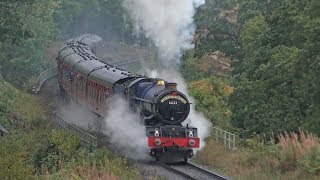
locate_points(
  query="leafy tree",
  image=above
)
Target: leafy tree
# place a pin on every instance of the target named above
(22, 50)
(276, 88)
(211, 96)
(214, 31)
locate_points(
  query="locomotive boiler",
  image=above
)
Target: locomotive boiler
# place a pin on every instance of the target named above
(163, 108)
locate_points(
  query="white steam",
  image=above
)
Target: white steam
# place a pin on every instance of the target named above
(169, 23)
(124, 129)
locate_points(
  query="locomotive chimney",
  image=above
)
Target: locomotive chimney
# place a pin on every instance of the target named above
(171, 85)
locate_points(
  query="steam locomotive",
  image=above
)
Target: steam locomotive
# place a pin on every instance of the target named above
(92, 83)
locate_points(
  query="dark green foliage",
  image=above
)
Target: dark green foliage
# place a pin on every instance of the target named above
(67, 143)
(189, 69)
(311, 162)
(275, 45)
(277, 88)
(11, 23)
(14, 158)
(26, 30)
(214, 31)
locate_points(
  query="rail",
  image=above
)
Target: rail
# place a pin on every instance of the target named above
(228, 139)
(43, 77)
(84, 137)
(3, 131)
(192, 171)
(216, 175)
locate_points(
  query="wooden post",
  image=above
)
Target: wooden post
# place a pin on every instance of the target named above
(234, 141)
(229, 139)
(216, 134)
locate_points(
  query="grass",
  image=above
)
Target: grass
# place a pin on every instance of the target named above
(34, 149)
(295, 156)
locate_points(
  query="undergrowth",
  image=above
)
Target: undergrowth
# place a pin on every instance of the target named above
(35, 149)
(295, 156)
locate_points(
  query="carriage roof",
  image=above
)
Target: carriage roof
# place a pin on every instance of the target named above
(78, 54)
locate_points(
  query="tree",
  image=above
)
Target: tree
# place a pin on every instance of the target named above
(277, 89)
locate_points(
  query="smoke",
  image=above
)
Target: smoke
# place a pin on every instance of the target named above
(124, 129)
(80, 116)
(195, 118)
(169, 23)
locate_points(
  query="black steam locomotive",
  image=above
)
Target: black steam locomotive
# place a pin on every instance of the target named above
(161, 106)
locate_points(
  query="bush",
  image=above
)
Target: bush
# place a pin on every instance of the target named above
(311, 161)
(14, 155)
(211, 95)
(66, 143)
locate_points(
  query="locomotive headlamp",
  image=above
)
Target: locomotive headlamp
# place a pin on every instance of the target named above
(157, 141)
(160, 83)
(192, 142)
(156, 132)
(190, 133)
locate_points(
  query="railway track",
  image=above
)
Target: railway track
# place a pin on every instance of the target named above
(192, 171)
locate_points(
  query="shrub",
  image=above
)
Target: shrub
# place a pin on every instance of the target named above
(68, 144)
(311, 161)
(14, 155)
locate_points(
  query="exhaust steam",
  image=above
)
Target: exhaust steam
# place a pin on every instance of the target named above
(125, 129)
(169, 23)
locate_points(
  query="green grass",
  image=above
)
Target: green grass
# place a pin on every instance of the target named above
(35, 149)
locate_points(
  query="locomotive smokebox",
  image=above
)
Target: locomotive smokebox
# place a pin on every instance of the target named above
(166, 104)
(172, 107)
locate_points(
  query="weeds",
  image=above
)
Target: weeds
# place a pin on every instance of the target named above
(300, 151)
(295, 156)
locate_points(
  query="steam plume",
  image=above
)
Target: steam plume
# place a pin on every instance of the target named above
(125, 130)
(169, 23)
